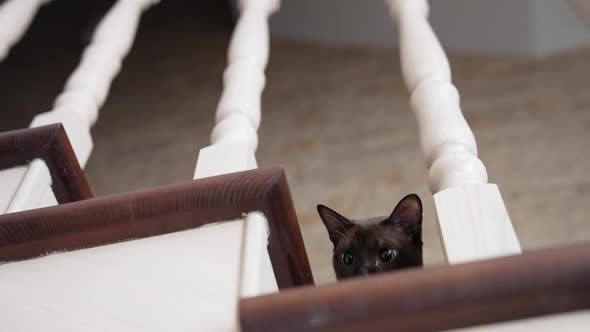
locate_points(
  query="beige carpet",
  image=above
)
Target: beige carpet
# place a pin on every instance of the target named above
(338, 120)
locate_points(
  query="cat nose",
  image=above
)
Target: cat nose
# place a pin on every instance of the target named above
(367, 270)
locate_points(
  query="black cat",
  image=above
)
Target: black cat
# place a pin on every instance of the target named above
(363, 247)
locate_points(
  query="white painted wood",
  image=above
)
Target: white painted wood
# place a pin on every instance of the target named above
(85, 93)
(238, 111)
(474, 223)
(582, 9)
(10, 180)
(87, 88)
(15, 18)
(257, 275)
(447, 141)
(33, 190)
(466, 204)
(577, 321)
(223, 158)
(48, 199)
(184, 281)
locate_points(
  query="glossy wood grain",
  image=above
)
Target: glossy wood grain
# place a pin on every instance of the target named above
(163, 210)
(50, 143)
(433, 299)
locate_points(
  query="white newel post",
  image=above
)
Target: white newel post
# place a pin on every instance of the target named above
(473, 220)
(15, 18)
(84, 94)
(235, 138)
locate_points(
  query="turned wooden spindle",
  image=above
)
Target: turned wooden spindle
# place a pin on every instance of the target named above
(15, 18)
(84, 94)
(473, 220)
(88, 86)
(447, 141)
(234, 138)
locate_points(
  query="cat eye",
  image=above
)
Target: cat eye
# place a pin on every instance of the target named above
(387, 255)
(347, 258)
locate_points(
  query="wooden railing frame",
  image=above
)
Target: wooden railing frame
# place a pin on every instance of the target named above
(49, 143)
(432, 299)
(167, 209)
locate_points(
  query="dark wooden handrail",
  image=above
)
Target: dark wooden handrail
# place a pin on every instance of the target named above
(50, 143)
(432, 299)
(166, 209)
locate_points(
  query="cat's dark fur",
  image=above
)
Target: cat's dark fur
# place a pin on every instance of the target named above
(376, 244)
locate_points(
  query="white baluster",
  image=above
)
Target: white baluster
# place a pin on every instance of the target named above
(86, 89)
(234, 138)
(85, 92)
(472, 216)
(15, 18)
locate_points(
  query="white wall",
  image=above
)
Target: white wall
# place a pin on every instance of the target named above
(557, 28)
(523, 27)
(361, 22)
(483, 26)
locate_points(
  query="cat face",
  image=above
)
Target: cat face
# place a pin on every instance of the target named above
(364, 247)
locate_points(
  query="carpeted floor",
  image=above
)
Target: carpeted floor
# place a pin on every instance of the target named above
(338, 120)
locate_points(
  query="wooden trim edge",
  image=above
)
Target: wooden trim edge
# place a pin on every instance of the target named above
(50, 143)
(432, 299)
(162, 210)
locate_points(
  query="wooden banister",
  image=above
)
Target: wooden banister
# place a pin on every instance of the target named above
(109, 219)
(48, 146)
(432, 299)
(473, 220)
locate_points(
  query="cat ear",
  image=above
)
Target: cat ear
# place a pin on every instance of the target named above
(407, 215)
(336, 224)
